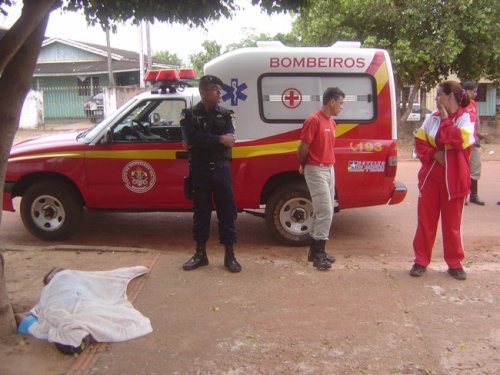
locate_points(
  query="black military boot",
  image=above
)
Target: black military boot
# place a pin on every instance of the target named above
(319, 260)
(230, 261)
(330, 258)
(474, 198)
(312, 250)
(198, 259)
(311, 253)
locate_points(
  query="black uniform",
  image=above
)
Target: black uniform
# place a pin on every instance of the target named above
(210, 171)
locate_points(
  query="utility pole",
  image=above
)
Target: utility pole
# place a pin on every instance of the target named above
(111, 76)
(141, 57)
(148, 47)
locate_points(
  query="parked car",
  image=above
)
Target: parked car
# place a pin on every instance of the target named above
(416, 115)
(94, 107)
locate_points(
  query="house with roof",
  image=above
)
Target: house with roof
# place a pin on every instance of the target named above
(487, 99)
(68, 73)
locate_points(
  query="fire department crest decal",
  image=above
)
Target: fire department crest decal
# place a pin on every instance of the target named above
(139, 176)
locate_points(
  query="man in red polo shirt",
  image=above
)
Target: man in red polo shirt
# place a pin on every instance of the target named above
(317, 158)
(475, 157)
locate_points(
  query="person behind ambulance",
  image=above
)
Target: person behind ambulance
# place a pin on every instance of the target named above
(208, 133)
(475, 157)
(317, 158)
(443, 144)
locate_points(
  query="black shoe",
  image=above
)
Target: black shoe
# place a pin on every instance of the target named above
(320, 262)
(417, 270)
(197, 260)
(476, 200)
(457, 273)
(231, 263)
(72, 350)
(310, 257)
(330, 258)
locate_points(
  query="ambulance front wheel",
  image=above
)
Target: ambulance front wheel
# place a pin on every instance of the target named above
(289, 214)
(51, 210)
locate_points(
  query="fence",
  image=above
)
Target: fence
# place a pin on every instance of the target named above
(66, 102)
(60, 104)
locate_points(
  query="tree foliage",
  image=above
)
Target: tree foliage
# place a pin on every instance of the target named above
(211, 49)
(109, 13)
(190, 12)
(250, 39)
(168, 58)
(480, 55)
(427, 39)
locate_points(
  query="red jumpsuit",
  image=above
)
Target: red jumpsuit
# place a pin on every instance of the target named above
(442, 189)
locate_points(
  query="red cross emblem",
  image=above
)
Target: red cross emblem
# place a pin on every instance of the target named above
(291, 98)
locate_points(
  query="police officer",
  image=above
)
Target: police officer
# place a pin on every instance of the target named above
(208, 134)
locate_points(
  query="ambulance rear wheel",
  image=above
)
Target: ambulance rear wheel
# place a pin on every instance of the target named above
(289, 214)
(51, 210)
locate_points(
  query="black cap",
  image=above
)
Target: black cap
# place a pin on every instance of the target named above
(210, 80)
(469, 85)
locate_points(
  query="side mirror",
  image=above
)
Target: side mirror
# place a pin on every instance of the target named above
(154, 118)
(108, 137)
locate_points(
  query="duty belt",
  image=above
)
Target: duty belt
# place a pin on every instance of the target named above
(211, 165)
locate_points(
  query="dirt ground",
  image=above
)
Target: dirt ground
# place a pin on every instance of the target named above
(280, 315)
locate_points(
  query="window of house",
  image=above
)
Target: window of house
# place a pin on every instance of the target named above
(88, 87)
(84, 87)
(481, 92)
(283, 101)
(35, 84)
(132, 80)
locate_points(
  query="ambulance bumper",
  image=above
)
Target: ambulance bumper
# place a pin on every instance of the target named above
(7, 197)
(398, 194)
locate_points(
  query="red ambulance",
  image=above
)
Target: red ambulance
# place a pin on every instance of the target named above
(134, 159)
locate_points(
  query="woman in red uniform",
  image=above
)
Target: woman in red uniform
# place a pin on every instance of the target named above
(443, 145)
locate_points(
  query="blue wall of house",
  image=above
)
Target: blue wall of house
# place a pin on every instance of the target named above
(63, 97)
(488, 107)
(61, 52)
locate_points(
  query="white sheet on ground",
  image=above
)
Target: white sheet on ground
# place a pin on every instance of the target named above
(77, 303)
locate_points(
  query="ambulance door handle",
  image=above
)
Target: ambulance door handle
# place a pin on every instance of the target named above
(181, 155)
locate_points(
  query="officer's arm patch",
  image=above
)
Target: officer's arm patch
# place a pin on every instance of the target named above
(184, 114)
(230, 116)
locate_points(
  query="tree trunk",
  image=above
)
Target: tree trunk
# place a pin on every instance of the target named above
(402, 125)
(15, 82)
(7, 320)
(34, 11)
